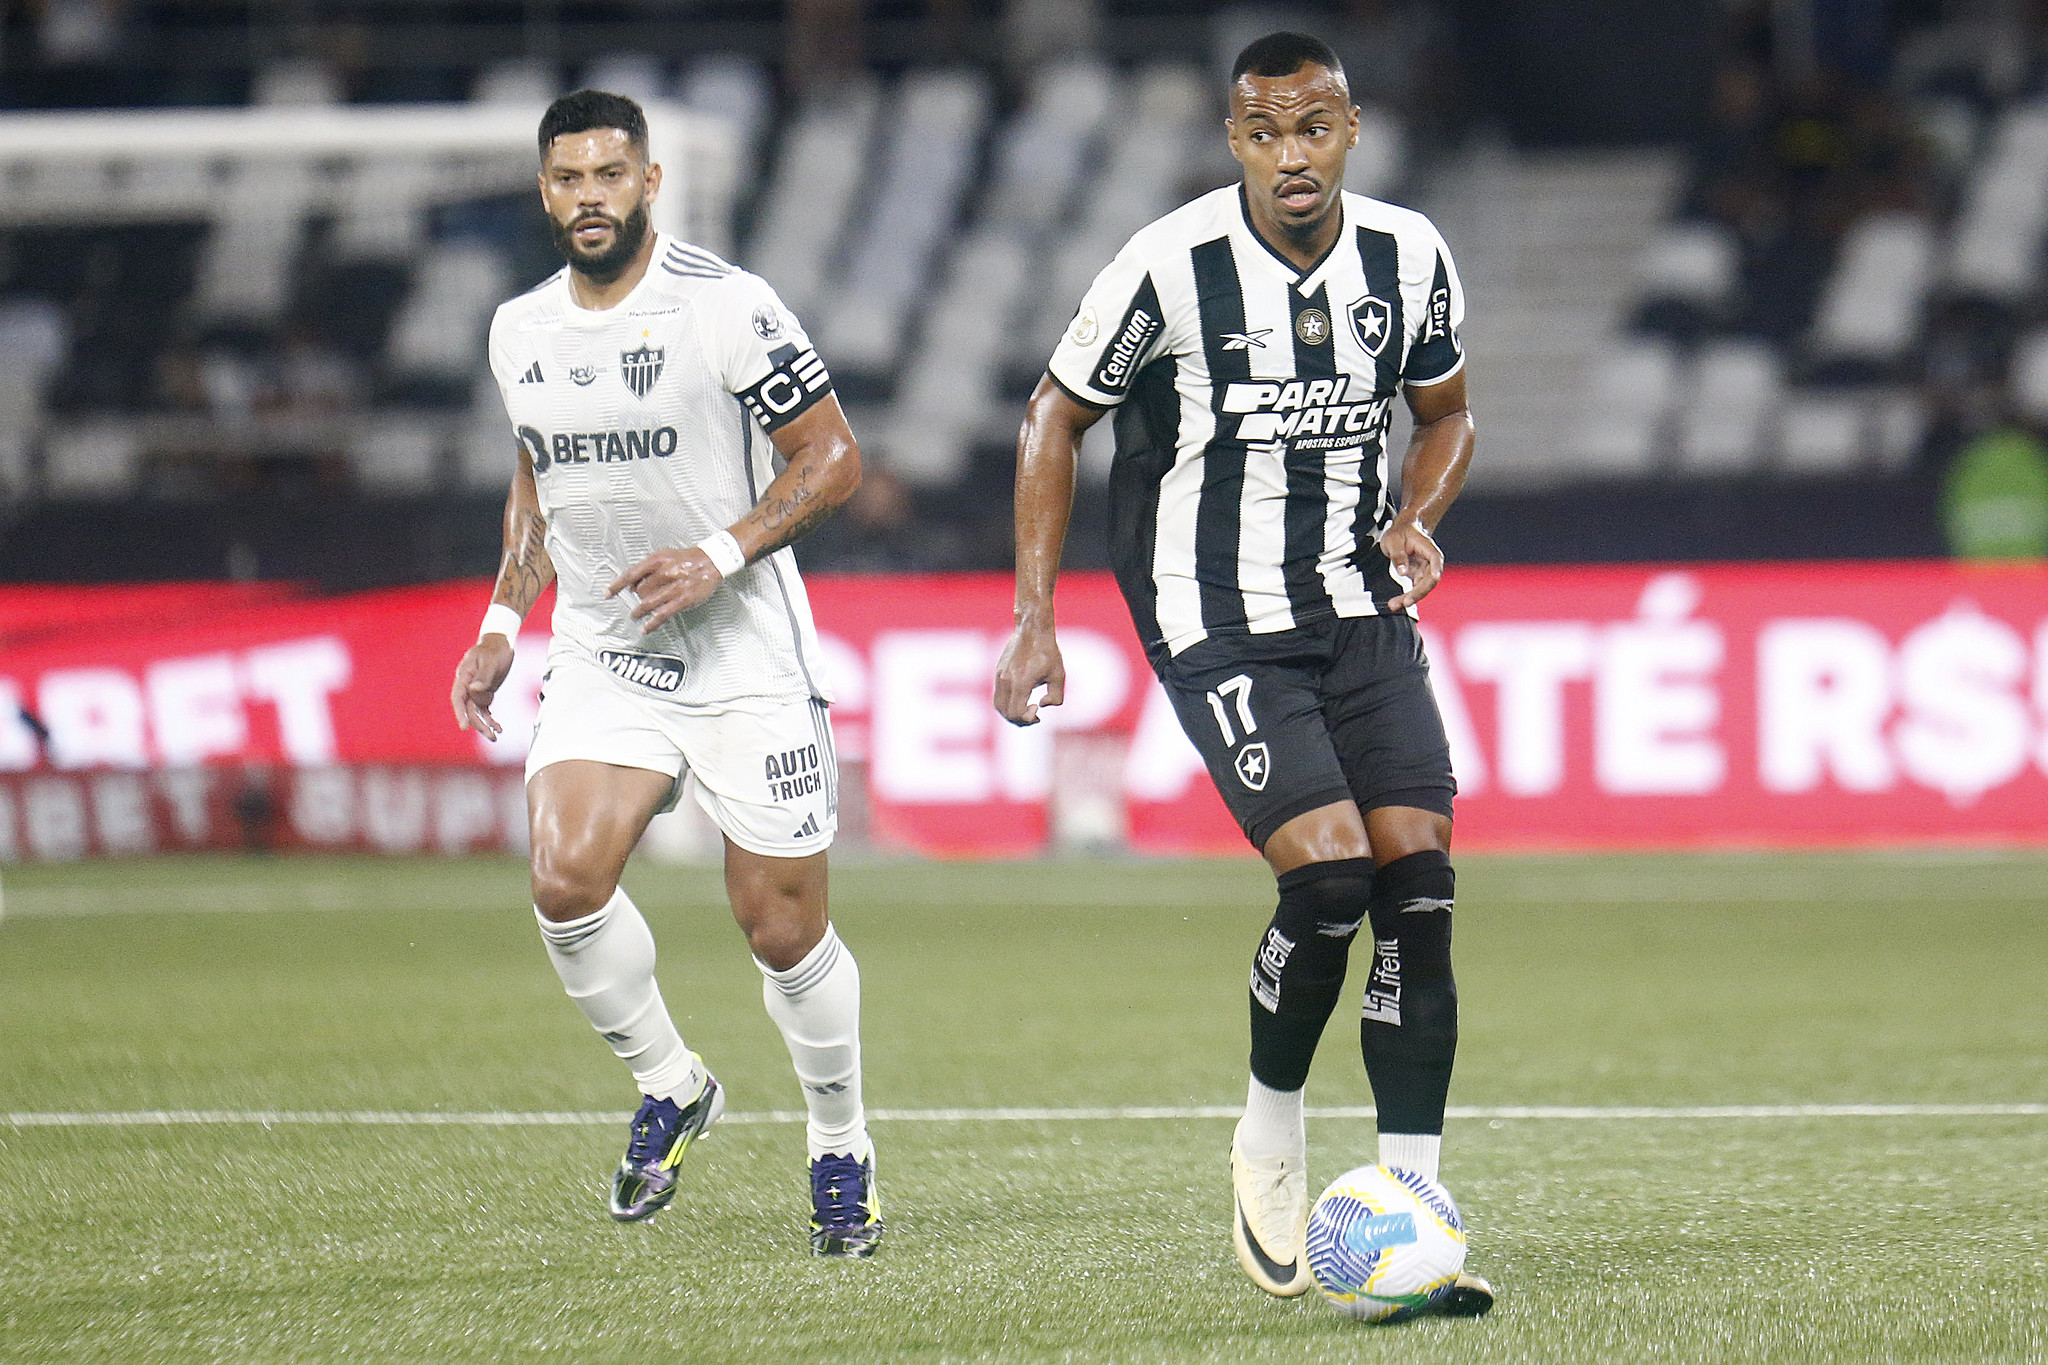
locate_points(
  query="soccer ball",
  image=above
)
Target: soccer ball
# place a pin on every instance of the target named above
(1384, 1244)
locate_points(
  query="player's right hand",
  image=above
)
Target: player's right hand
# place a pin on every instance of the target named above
(1029, 661)
(477, 679)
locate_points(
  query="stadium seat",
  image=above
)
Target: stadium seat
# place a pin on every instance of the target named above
(1735, 393)
(1997, 240)
(1870, 308)
(930, 143)
(440, 328)
(819, 174)
(1627, 422)
(638, 76)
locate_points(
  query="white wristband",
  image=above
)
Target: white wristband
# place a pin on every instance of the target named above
(726, 555)
(500, 620)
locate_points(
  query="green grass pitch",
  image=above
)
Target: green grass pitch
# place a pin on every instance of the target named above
(421, 986)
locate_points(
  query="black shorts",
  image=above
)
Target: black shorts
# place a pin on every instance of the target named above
(1334, 710)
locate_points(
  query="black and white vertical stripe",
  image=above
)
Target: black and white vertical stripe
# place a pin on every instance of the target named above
(1252, 478)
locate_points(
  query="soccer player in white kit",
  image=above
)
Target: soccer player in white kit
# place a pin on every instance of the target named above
(651, 386)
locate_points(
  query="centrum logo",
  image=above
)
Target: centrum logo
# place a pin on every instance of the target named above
(657, 671)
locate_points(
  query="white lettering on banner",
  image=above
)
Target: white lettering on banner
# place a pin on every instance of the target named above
(94, 717)
(1529, 662)
(929, 728)
(394, 809)
(323, 805)
(1163, 761)
(195, 709)
(19, 748)
(186, 791)
(1655, 704)
(1098, 685)
(1468, 764)
(298, 678)
(55, 819)
(120, 809)
(1965, 730)
(1824, 692)
(517, 704)
(465, 811)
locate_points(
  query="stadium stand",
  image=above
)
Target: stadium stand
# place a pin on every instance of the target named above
(1838, 278)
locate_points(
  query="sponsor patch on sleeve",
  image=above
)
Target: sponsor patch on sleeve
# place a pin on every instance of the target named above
(796, 381)
(1142, 322)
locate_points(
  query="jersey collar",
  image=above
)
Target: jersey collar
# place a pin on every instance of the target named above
(1304, 280)
(576, 315)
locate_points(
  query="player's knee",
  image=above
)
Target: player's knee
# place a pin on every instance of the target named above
(782, 941)
(1329, 900)
(563, 891)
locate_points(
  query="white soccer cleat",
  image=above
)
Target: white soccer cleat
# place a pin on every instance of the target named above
(1269, 1220)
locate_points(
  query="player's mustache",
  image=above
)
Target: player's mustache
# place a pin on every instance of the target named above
(603, 219)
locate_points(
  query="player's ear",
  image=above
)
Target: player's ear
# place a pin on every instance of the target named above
(1230, 137)
(653, 179)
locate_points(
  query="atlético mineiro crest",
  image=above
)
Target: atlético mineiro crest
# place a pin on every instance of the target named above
(1372, 321)
(640, 369)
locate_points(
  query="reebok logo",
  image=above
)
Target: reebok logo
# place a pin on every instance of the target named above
(533, 375)
(656, 671)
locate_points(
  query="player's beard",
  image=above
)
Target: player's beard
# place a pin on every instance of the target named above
(607, 265)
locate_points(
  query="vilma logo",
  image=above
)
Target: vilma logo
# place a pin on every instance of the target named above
(640, 369)
(1254, 765)
(1371, 323)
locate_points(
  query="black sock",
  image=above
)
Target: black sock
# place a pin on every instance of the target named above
(1409, 1032)
(1298, 972)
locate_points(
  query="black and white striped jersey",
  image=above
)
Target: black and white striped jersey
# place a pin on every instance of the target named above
(1251, 479)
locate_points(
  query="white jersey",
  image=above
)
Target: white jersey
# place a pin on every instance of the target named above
(646, 424)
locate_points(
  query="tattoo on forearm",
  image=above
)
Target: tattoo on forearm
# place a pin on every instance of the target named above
(788, 518)
(526, 569)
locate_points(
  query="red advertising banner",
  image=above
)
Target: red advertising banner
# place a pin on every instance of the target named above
(1605, 707)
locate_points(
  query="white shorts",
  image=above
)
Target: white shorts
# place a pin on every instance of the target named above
(763, 769)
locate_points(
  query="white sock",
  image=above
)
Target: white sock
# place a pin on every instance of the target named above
(1415, 1152)
(816, 1004)
(606, 962)
(1273, 1124)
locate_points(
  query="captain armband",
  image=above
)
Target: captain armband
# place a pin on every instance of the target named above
(797, 380)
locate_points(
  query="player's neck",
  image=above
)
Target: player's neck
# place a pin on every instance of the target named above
(589, 293)
(1300, 247)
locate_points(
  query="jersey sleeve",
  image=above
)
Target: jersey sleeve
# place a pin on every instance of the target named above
(1437, 352)
(1112, 336)
(761, 352)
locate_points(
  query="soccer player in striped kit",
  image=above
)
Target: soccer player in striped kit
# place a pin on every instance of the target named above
(651, 387)
(1251, 345)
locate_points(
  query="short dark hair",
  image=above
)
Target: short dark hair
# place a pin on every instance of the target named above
(1283, 54)
(583, 110)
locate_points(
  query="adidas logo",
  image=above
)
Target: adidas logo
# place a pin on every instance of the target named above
(809, 828)
(533, 375)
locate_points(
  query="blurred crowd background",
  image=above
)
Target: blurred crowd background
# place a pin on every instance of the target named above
(1746, 278)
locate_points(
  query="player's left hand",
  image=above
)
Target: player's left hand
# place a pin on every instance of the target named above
(1415, 556)
(668, 582)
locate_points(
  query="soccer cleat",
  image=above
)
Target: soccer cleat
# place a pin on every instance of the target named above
(846, 1207)
(662, 1131)
(1269, 1221)
(1468, 1297)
